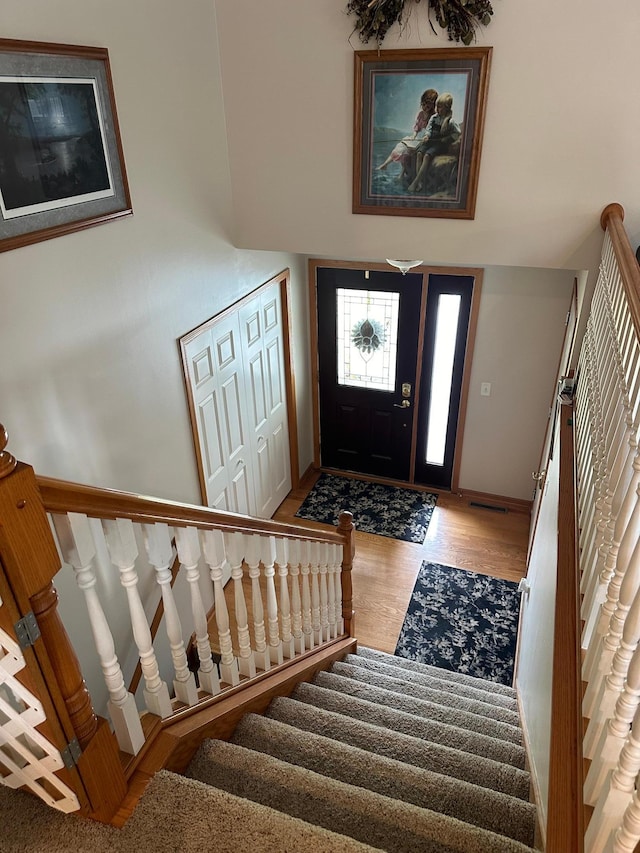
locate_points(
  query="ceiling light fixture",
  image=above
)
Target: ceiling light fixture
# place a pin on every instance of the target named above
(404, 266)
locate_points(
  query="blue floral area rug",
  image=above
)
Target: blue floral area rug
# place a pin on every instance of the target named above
(463, 622)
(385, 510)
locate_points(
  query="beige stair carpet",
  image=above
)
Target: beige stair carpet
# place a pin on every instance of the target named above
(382, 822)
(481, 807)
(374, 711)
(175, 815)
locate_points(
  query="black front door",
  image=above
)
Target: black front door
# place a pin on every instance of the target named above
(368, 324)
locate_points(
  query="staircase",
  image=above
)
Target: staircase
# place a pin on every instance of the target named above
(378, 753)
(391, 753)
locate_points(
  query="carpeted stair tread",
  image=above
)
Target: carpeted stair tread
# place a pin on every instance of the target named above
(174, 815)
(409, 724)
(481, 807)
(431, 756)
(483, 709)
(438, 679)
(428, 669)
(226, 823)
(395, 698)
(382, 822)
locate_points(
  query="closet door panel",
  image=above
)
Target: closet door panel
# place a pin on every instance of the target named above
(211, 440)
(277, 430)
(235, 373)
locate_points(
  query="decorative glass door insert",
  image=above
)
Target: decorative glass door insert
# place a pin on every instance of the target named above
(367, 338)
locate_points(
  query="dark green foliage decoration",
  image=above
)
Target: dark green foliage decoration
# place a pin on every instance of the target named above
(458, 17)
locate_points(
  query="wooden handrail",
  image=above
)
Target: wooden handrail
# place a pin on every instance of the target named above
(611, 220)
(565, 825)
(60, 496)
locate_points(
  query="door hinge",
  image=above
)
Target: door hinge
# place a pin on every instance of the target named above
(27, 630)
(71, 753)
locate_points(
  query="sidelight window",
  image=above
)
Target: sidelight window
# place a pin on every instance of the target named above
(444, 351)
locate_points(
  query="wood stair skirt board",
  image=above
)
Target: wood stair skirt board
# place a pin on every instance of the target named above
(376, 752)
(181, 736)
(498, 503)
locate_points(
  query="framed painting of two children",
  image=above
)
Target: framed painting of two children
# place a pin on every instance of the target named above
(418, 122)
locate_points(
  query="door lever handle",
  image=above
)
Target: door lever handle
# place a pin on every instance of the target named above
(403, 405)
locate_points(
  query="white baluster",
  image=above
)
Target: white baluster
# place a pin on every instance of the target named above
(78, 549)
(617, 625)
(614, 682)
(306, 594)
(324, 593)
(214, 553)
(605, 567)
(616, 795)
(314, 561)
(627, 837)
(268, 557)
(123, 550)
(252, 559)
(333, 568)
(282, 559)
(338, 582)
(188, 545)
(594, 522)
(296, 604)
(234, 544)
(606, 753)
(590, 476)
(160, 554)
(624, 540)
(608, 749)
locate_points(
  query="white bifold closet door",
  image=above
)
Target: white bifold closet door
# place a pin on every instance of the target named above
(235, 366)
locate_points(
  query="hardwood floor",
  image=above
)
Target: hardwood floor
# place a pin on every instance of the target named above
(385, 570)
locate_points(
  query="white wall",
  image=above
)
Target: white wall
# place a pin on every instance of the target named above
(560, 140)
(520, 331)
(91, 385)
(535, 647)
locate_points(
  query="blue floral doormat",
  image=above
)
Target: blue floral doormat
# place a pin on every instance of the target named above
(385, 510)
(463, 622)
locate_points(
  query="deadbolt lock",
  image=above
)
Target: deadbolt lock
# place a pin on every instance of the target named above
(406, 389)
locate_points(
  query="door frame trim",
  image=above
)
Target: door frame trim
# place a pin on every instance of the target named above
(476, 272)
(284, 280)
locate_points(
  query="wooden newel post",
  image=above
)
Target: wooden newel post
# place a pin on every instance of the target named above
(7, 461)
(29, 559)
(65, 665)
(348, 529)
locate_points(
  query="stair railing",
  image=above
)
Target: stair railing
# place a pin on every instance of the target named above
(565, 819)
(607, 419)
(46, 522)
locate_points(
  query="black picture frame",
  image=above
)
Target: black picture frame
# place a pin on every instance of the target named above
(61, 161)
(391, 127)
